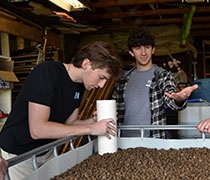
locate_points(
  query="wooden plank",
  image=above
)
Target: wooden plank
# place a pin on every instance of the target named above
(23, 66)
(6, 15)
(20, 29)
(20, 43)
(99, 4)
(20, 70)
(27, 56)
(144, 13)
(5, 48)
(27, 32)
(23, 72)
(33, 61)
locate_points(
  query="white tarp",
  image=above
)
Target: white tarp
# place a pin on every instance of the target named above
(65, 161)
(61, 163)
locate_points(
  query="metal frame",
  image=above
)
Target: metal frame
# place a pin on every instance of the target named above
(142, 128)
(53, 146)
(35, 152)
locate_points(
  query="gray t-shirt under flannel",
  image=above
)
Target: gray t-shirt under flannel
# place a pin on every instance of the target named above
(137, 105)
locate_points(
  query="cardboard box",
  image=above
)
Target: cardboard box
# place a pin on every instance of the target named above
(7, 76)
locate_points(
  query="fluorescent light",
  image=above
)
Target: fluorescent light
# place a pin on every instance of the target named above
(76, 4)
(69, 5)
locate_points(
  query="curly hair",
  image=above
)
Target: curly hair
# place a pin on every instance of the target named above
(143, 37)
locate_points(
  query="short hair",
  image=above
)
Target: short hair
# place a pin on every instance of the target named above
(143, 37)
(101, 55)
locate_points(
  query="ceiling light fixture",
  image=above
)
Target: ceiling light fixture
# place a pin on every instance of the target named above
(69, 5)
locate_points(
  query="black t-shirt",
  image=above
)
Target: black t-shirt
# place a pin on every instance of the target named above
(48, 84)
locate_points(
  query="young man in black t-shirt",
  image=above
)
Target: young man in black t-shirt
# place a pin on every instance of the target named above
(48, 105)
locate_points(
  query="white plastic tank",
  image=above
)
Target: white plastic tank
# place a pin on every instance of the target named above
(192, 115)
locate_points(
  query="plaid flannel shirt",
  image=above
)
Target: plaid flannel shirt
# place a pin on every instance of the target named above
(162, 81)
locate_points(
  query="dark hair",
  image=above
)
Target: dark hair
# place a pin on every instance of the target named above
(101, 55)
(143, 37)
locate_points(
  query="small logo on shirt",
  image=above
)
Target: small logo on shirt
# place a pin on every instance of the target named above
(149, 82)
(76, 95)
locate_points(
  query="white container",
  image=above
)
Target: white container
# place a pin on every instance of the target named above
(106, 109)
(192, 115)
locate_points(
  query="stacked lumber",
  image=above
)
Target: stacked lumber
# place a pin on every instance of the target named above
(26, 60)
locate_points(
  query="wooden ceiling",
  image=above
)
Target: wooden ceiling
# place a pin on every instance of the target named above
(125, 15)
(106, 16)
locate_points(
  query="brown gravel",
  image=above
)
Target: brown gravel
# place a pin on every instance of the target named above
(143, 163)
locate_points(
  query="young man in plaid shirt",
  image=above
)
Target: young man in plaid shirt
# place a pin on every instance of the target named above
(144, 91)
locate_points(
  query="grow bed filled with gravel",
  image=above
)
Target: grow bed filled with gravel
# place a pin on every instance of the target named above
(143, 163)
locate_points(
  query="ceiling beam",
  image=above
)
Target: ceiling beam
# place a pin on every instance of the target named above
(18, 28)
(150, 21)
(103, 3)
(144, 13)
